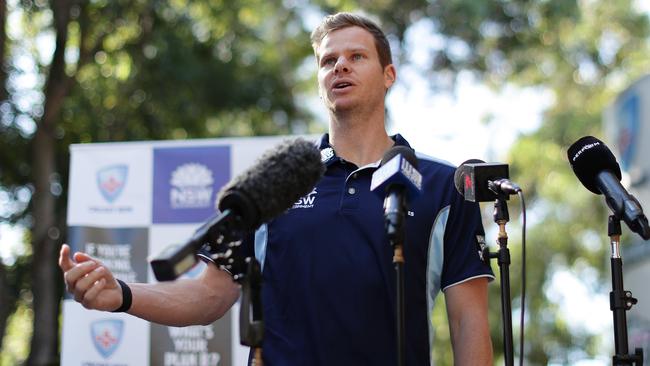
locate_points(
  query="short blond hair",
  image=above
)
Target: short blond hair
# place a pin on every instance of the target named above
(344, 20)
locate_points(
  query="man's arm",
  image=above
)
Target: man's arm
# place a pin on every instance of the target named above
(178, 303)
(468, 322)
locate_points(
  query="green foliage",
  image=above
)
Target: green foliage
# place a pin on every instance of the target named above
(207, 68)
(187, 70)
(590, 64)
(584, 52)
(133, 71)
(15, 344)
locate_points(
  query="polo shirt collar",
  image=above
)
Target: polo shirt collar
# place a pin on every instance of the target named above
(328, 155)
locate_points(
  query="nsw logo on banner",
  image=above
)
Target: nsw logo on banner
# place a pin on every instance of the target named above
(111, 181)
(186, 182)
(106, 335)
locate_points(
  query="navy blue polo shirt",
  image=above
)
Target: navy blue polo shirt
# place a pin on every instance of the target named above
(328, 278)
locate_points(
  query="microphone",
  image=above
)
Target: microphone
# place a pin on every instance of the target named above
(597, 169)
(396, 179)
(479, 181)
(265, 190)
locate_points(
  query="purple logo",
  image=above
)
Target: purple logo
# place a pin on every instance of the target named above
(111, 181)
(186, 182)
(106, 335)
(628, 112)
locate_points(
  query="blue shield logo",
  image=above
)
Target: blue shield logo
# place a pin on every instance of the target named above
(106, 335)
(628, 117)
(111, 181)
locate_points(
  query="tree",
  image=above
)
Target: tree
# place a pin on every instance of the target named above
(584, 53)
(124, 71)
(189, 68)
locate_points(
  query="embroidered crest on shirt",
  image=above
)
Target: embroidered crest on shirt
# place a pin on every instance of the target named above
(306, 201)
(326, 154)
(482, 248)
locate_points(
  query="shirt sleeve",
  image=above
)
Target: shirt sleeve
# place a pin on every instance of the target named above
(464, 239)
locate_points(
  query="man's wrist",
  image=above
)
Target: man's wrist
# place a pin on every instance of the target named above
(127, 298)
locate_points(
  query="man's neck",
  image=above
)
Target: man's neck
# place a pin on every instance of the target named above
(359, 139)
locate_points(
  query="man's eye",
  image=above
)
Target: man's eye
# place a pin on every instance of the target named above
(328, 62)
(357, 56)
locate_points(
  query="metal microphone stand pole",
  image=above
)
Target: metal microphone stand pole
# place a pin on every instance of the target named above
(398, 260)
(227, 254)
(501, 218)
(395, 206)
(620, 300)
(251, 324)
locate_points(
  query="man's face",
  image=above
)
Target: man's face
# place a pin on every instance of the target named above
(349, 72)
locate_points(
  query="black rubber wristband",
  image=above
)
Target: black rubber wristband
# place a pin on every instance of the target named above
(127, 298)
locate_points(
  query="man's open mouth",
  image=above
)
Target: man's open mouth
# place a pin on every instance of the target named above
(342, 84)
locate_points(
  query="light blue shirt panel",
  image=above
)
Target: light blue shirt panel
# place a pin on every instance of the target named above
(261, 239)
(435, 262)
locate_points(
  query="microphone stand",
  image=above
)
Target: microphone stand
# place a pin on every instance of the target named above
(248, 273)
(620, 300)
(501, 218)
(395, 206)
(398, 260)
(251, 324)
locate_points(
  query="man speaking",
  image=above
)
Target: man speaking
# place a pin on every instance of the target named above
(328, 284)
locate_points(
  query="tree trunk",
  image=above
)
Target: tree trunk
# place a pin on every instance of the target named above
(3, 45)
(44, 342)
(7, 301)
(45, 273)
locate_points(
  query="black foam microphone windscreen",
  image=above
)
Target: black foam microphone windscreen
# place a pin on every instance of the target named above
(597, 169)
(274, 183)
(589, 156)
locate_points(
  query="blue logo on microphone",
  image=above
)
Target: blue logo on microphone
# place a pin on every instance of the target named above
(106, 335)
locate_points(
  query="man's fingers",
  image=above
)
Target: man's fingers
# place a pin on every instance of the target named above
(77, 272)
(93, 291)
(86, 282)
(65, 262)
(82, 257)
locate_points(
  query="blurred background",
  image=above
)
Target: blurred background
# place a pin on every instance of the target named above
(516, 81)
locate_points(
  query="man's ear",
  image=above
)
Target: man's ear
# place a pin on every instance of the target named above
(390, 75)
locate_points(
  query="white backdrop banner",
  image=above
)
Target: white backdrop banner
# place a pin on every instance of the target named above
(128, 201)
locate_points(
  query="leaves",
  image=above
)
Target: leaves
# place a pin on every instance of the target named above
(140, 70)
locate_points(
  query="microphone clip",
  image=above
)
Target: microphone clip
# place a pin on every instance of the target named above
(503, 186)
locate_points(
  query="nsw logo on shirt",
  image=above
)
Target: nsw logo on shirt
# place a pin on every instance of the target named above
(306, 201)
(483, 251)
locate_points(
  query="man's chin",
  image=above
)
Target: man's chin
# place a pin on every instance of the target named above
(344, 106)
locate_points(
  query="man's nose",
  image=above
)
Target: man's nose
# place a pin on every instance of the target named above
(341, 65)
